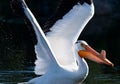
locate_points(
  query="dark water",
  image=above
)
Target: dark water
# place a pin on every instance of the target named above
(11, 77)
(96, 76)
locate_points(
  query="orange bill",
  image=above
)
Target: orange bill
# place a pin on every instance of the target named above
(93, 55)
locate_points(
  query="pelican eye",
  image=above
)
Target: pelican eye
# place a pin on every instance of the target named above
(82, 44)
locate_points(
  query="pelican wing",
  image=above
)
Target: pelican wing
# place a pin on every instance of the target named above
(65, 26)
(45, 58)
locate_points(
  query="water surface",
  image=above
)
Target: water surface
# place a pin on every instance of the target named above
(96, 76)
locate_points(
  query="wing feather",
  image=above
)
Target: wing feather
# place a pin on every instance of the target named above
(65, 32)
(45, 58)
(63, 7)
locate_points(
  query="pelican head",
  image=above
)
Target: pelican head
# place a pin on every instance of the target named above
(85, 51)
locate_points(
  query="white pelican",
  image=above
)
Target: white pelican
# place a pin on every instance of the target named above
(60, 57)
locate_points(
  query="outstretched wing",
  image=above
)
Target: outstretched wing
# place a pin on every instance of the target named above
(45, 59)
(63, 7)
(65, 26)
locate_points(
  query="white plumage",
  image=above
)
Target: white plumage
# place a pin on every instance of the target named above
(61, 41)
(59, 54)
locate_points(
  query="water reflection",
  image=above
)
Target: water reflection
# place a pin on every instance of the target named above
(96, 76)
(104, 79)
(15, 76)
(100, 74)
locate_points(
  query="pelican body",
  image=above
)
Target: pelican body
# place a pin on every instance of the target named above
(60, 56)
